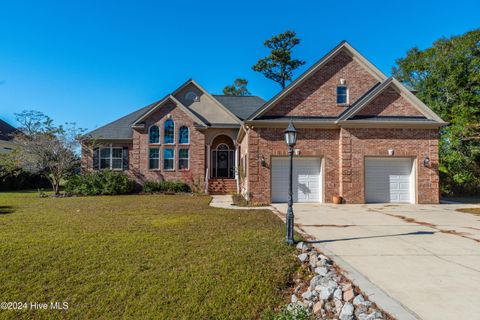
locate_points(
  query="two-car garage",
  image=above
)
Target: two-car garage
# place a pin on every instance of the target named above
(386, 179)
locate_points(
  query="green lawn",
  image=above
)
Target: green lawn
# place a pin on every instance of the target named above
(140, 257)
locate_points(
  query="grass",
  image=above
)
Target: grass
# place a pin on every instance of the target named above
(140, 257)
(470, 210)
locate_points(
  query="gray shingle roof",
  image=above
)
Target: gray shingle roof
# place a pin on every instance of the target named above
(120, 128)
(241, 106)
(6, 130)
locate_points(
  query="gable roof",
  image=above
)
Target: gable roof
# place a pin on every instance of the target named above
(240, 106)
(221, 106)
(343, 46)
(119, 129)
(156, 106)
(6, 130)
(350, 113)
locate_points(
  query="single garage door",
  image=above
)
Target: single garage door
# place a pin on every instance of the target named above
(306, 180)
(389, 180)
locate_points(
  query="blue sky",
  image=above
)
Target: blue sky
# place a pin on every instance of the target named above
(94, 61)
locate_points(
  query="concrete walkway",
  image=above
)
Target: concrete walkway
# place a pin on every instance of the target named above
(415, 261)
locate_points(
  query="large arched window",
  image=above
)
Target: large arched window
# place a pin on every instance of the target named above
(169, 132)
(183, 137)
(154, 135)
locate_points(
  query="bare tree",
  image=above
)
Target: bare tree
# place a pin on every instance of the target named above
(42, 148)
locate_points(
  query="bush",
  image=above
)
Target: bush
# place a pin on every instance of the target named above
(99, 183)
(165, 186)
(21, 180)
(292, 312)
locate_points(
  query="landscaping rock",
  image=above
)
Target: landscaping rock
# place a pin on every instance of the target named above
(329, 295)
(313, 261)
(323, 258)
(358, 300)
(347, 311)
(346, 286)
(321, 271)
(325, 293)
(348, 295)
(316, 281)
(294, 299)
(338, 306)
(372, 316)
(332, 284)
(359, 309)
(308, 295)
(302, 246)
(317, 308)
(302, 257)
(337, 294)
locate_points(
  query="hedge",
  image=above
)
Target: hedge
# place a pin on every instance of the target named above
(99, 183)
(165, 186)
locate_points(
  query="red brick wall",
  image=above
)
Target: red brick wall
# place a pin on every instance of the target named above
(390, 103)
(196, 146)
(344, 152)
(316, 96)
(416, 143)
(269, 142)
(139, 149)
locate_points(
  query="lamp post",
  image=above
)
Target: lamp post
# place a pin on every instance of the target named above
(290, 139)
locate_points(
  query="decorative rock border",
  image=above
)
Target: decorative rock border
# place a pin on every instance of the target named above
(329, 294)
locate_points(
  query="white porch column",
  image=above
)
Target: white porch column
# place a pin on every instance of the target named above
(207, 171)
(236, 167)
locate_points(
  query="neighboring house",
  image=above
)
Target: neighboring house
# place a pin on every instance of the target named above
(360, 135)
(6, 131)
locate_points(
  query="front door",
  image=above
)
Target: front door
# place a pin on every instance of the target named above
(222, 164)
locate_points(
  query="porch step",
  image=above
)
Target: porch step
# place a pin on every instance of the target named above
(222, 186)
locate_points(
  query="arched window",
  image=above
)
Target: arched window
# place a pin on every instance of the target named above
(154, 135)
(183, 135)
(169, 132)
(223, 146)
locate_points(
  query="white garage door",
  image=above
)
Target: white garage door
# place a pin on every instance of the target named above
(389, 180)
(306, 180)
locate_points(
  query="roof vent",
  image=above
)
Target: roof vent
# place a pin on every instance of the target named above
(191, 96)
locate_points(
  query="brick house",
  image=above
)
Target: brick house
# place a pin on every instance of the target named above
(360, 135)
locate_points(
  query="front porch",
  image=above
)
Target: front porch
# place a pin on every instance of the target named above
(221, 174)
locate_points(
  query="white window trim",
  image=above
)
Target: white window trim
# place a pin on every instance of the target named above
(347, 95)
(174, 135)
(188, 131)
(159, 135)
(110, 159)
(159, 159)
(188, 159)
(163, 159)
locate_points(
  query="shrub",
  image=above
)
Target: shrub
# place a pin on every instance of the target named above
(292, 312)
(165, 186)
(99, 183)
(21, 180)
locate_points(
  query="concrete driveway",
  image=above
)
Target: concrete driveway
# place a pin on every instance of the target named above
(415, 261)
